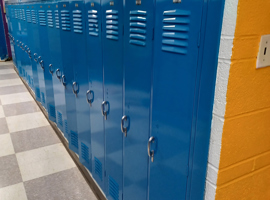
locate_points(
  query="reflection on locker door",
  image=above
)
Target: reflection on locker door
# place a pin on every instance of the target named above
(95, 92)
(45, 60)
(112, 35)
(177, 27)
(80, 82)
(68, 75)
(138, 43)
(56, 67)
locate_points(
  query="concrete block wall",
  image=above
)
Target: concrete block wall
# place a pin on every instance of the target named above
(239, 155)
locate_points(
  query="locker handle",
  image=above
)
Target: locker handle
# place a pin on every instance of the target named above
(104, 113)
(90, 101)
(75, 90)
(64, 80)
(35, 55)
(151, 153)
(41, 63)
(124, 129)
(29, 54)
(50, 69)
(58, 73)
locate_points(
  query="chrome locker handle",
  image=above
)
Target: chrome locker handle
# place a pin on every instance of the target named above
(35, 55)
(124, 129)
(64, 80)
(58, 74)
(91, 99)
(75, 88)
(151, 153)
(104, 113)
(50, 69)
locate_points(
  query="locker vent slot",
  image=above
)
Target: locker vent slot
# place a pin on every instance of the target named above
(34, 19)
(23, 14)
(37, 93)
(66, 127)
(28, 16)
(175, 31)
(65, 20)
(112, 24)
(77, 21)
(113, 188)
(42, 18)
(20, 14)
(98, 168)
(50, 18)
(74, 139)
(52, 111)
(93, 22)
(137, 27)
(16, 14)
(85, 152)
(56, 19)
(60, 118)
(43, 97)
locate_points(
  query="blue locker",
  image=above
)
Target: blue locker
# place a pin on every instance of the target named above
(112, 107)
(80, 82)
(68, 75)
(22, 41)
(56, 67)
(17, 39)
(95, 93)
(45, 61)
(138, 46)
(177, 29)
(37, 69)
(9, 11)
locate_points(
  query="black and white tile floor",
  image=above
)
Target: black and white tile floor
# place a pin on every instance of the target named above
(34, 164)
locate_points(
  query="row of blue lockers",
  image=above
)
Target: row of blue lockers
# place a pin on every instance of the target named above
(119, 81)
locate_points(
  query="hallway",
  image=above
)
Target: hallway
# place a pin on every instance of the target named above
(34, 164)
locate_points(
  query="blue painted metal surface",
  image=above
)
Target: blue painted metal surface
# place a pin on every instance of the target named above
(95, 93)
(112, 36)
(68, 74)
(17, 40)
(9, 15)
(80, 81)
(56, 67)
(177, 29)
(45, 60)
(138, 47)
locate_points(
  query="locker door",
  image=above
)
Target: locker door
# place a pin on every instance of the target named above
(45, 60)
(95, 93)
(31, 21)
(37, 70)
(80, 82)
(56, 67)
(138, 45)
(177, 28)
(68, 74)
(112, 35)
(21, 42)
(17, 39)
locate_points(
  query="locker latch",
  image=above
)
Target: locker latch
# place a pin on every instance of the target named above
(105, 109)
(123, 128)
(90, 97)
(151, 152)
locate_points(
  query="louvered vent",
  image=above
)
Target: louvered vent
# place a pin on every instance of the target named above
(28, 16)
(34, 19)
(77, 21)
(137, 27)
(52, 111)
(37, 92)
(175, 31)
(19, 14)
(60, 118)
(65, 20)
(43, 97)
(23, 14)
(56, 19)
(93, 22)
(74, 139)
(42, 18)
(112, 24)
(50, 18)
(98, 168)
(66, 127)
(16, 14)
(113, 188)
(85, 152)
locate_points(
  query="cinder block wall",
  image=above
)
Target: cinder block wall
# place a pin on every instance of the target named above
(239, 155)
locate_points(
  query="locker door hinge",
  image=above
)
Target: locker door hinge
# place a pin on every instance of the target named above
(199, 39)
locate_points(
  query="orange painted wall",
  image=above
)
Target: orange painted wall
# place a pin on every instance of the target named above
(244, 171)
